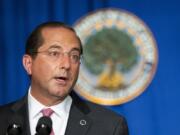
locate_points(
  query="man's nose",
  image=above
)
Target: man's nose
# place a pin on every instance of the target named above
(65, 61)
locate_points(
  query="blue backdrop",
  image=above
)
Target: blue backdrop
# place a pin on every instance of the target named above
(156, 111)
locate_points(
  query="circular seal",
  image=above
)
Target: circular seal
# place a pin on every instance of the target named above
(120, 56)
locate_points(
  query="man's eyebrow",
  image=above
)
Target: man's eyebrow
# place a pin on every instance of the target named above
(75, 49)
(55, 46)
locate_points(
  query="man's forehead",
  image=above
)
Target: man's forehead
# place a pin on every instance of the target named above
(60, 37)
(60, 33)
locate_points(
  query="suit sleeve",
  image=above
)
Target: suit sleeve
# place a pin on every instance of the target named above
(121, 127)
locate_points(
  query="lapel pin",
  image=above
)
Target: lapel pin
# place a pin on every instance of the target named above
(82, 122)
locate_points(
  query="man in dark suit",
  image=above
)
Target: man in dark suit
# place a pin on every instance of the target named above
(52, 60)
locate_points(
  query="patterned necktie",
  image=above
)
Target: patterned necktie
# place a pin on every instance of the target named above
(48, 112)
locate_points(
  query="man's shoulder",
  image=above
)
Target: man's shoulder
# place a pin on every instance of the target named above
(5, 115)
(105, 121)
(102, 112)
(94, 110)
(8, 107)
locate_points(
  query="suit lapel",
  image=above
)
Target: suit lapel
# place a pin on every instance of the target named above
(78, 122)
(20, 109)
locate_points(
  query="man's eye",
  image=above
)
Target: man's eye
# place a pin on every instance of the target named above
(75, 57)
(54, 53)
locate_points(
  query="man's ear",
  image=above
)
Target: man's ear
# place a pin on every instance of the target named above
(27, 63)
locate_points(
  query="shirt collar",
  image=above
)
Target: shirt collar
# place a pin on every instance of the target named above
(61, 109)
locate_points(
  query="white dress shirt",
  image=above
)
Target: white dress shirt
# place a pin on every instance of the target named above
(59, 117)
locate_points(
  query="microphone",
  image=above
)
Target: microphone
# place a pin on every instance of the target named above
(44, 126)
(15, 126)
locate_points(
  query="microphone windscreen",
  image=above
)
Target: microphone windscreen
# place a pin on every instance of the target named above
(44, 126)
(15, 125)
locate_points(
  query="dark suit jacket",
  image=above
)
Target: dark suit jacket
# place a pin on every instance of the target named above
(85, 118)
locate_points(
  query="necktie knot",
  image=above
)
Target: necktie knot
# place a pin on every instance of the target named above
(47, 112)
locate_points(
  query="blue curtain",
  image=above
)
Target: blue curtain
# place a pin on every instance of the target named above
(156, 111)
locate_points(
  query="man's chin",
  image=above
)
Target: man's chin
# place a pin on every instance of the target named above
(60, 93)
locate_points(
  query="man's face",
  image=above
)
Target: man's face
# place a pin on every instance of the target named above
(54, 70)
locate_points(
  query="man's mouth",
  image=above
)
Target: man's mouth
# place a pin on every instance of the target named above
(62, 80)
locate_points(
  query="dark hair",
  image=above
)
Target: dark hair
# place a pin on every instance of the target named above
(35, 39)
